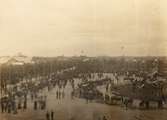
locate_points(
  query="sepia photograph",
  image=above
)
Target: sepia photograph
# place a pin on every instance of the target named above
(83, 60)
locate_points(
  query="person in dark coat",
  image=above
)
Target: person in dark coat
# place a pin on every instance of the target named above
(104, 118)
(47, 116)
(52, 115)
(9, 107)
(25, 104)
(2, 107)
(35, 105)
(19, 105)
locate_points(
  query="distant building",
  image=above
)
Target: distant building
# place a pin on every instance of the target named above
(16, 60)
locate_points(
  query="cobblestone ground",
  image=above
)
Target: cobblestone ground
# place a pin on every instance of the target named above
(79, 109)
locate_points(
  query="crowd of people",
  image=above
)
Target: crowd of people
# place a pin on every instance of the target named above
(34, 92)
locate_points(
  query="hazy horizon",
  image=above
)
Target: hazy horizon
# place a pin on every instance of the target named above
(81, 55)
(83, 27)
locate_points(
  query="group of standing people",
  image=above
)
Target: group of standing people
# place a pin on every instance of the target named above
(60, 94)
(11, 104)
(50, 115)
(41, 104)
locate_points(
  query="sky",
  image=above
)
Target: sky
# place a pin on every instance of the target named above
(83, 27)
